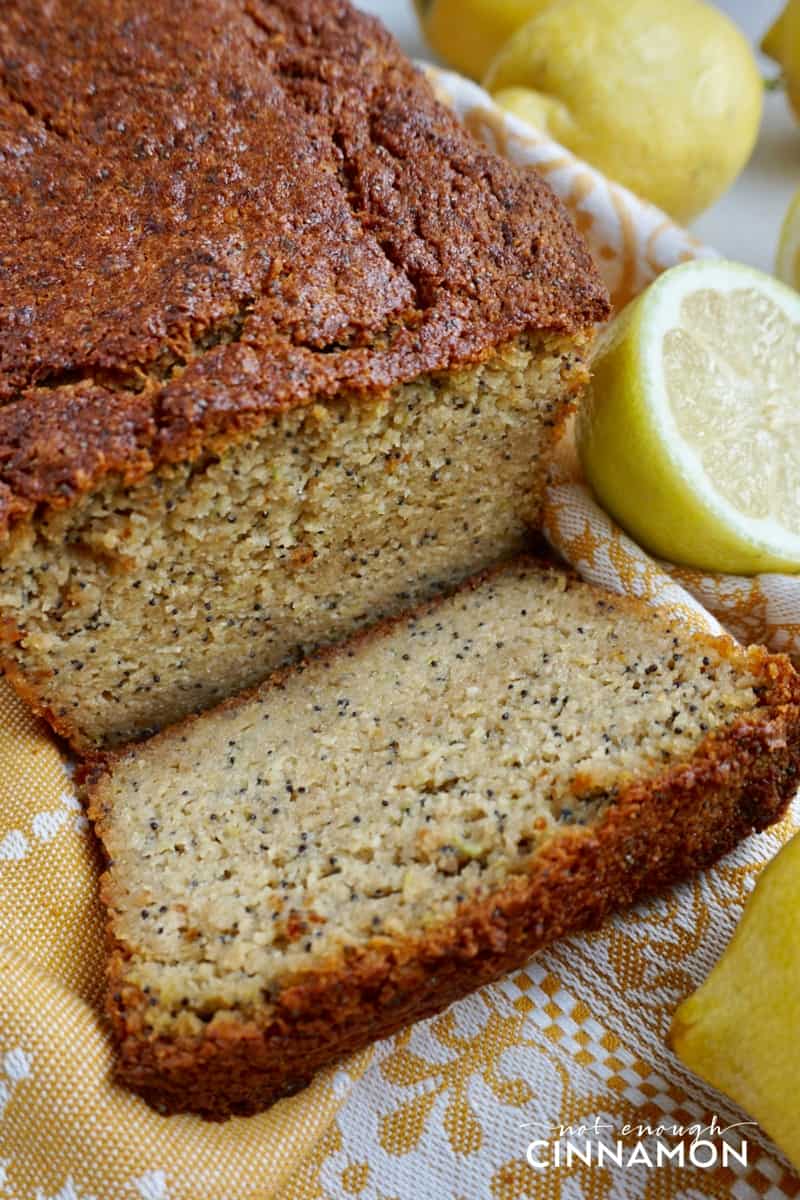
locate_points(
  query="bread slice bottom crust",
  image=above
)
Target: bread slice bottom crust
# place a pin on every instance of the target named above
(658, 832)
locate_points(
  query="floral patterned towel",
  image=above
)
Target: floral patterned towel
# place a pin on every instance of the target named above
(457, 1108)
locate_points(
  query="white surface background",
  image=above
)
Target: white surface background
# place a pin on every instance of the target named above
(746, 222)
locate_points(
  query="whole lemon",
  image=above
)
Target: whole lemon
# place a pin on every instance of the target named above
(662, 95)
(739, 1030)
(467, 34)
(783, 44)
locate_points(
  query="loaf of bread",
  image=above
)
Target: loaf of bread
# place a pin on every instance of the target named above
(282, 347)
(375, 832)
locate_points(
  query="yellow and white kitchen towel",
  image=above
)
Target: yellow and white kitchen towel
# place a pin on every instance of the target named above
(447, 1110)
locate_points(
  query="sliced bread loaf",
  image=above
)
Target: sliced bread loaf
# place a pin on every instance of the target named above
(374, 833)
(282, 347)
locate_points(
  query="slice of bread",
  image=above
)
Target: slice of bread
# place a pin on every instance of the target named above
(372, 834)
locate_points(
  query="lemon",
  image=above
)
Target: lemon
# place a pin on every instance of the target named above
(543, 112)
(739, 1031)
(663, 96)
(690, 433)
(782, 43)
(787, 265)
(467, 34)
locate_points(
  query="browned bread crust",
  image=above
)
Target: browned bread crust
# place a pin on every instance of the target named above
(657, 833)
(214, 211)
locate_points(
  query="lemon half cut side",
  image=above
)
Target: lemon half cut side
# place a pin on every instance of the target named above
(690, 433)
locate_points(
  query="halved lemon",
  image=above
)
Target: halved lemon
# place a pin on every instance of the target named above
(690, 434)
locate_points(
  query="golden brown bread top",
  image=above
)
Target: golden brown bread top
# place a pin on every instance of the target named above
(214, 210)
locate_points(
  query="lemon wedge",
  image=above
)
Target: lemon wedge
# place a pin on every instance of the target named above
(739, 1031)
(690, 434)
(787, 265)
